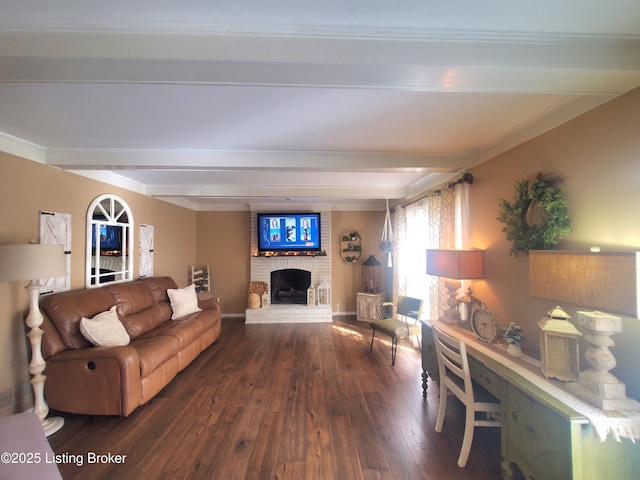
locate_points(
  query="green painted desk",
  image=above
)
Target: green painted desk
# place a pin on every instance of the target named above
(543, 436)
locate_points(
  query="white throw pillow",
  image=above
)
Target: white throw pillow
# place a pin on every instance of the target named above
(184, 301)
(105, 330)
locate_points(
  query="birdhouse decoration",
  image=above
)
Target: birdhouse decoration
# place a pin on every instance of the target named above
(559, 356)
(372, 275)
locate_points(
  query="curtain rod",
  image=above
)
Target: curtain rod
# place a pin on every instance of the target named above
(465, 178)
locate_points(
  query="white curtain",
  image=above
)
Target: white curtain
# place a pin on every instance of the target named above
(462, 216)
(440, 220)
(412, 238)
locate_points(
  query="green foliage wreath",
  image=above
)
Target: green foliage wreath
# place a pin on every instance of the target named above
(538, 216)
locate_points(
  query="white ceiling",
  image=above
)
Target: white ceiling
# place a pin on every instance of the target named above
(222, 104)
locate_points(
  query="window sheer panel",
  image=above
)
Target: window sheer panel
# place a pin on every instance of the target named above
(431, 222)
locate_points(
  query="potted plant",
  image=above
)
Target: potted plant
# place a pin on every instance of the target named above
(513, 335)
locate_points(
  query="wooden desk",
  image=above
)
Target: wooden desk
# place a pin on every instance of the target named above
(544, 436)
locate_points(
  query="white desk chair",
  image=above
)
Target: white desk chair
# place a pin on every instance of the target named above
(456, 378)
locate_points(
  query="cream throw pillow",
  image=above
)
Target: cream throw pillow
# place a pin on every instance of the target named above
(184, 301)
(105, 330)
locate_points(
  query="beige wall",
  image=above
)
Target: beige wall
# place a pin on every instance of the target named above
(224, 243)
(28, 187)
(346, 278)
(599, 156)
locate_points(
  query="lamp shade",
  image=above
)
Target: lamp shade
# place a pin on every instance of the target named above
(600, 280)
(31, 261)
(456, 264)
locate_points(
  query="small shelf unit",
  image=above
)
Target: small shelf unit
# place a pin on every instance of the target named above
(350, 247)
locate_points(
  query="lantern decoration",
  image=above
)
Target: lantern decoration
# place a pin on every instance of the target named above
(372, 275)
(559, 357)
(323, 293)
(311, 296)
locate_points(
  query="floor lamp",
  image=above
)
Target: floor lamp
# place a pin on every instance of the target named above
(34, 262)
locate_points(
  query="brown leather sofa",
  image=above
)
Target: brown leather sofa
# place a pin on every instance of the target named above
(92, 380)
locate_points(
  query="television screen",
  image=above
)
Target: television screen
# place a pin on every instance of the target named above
(109, 236)
(288, 231)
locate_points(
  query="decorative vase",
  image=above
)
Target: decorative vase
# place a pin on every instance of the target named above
(254, 300)
(514, 350)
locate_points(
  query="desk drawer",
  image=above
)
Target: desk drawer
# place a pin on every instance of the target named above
(485, 377)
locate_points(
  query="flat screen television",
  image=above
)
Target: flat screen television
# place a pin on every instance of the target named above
(288, 232)
(109, 237)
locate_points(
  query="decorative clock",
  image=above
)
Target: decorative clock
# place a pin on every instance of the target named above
(484, 325)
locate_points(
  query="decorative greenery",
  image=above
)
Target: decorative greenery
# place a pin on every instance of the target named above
(538, 216)
(513, 334)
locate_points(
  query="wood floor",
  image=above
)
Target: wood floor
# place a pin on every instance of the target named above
(288, 402)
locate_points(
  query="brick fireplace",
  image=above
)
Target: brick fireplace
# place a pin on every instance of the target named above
(318, 269)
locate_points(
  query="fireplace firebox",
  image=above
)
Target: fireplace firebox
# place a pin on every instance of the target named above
(289, 286)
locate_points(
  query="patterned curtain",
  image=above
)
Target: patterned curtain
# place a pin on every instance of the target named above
(442, 224)
(427, 223)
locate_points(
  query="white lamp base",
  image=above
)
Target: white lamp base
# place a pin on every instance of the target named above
(52, 424)
(37, 365)
(596, 385)
(451, 315)
(612, 403)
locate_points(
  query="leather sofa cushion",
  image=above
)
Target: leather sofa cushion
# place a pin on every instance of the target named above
(146, 320)
(67, 309)
(136, 307)
(131, 297)
(153, 351)
(186, 329)
(158, 287)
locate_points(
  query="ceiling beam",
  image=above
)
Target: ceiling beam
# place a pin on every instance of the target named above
(479, 48)
(121, 159)
(292, 191)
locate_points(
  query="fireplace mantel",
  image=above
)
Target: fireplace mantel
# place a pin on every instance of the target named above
(292, 253)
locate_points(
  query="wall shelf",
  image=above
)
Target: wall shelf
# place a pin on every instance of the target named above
(350, 247)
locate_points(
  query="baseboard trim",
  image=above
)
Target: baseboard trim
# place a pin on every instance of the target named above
(16, 399)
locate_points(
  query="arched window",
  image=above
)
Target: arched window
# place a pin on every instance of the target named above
(109, 241)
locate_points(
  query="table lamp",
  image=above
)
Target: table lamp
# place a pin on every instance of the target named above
(454, 266)
(34, 262)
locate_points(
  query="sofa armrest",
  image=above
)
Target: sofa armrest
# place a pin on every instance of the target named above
(207, 301)
(94, 381)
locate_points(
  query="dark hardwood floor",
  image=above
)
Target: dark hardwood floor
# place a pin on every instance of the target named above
(286, 401)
